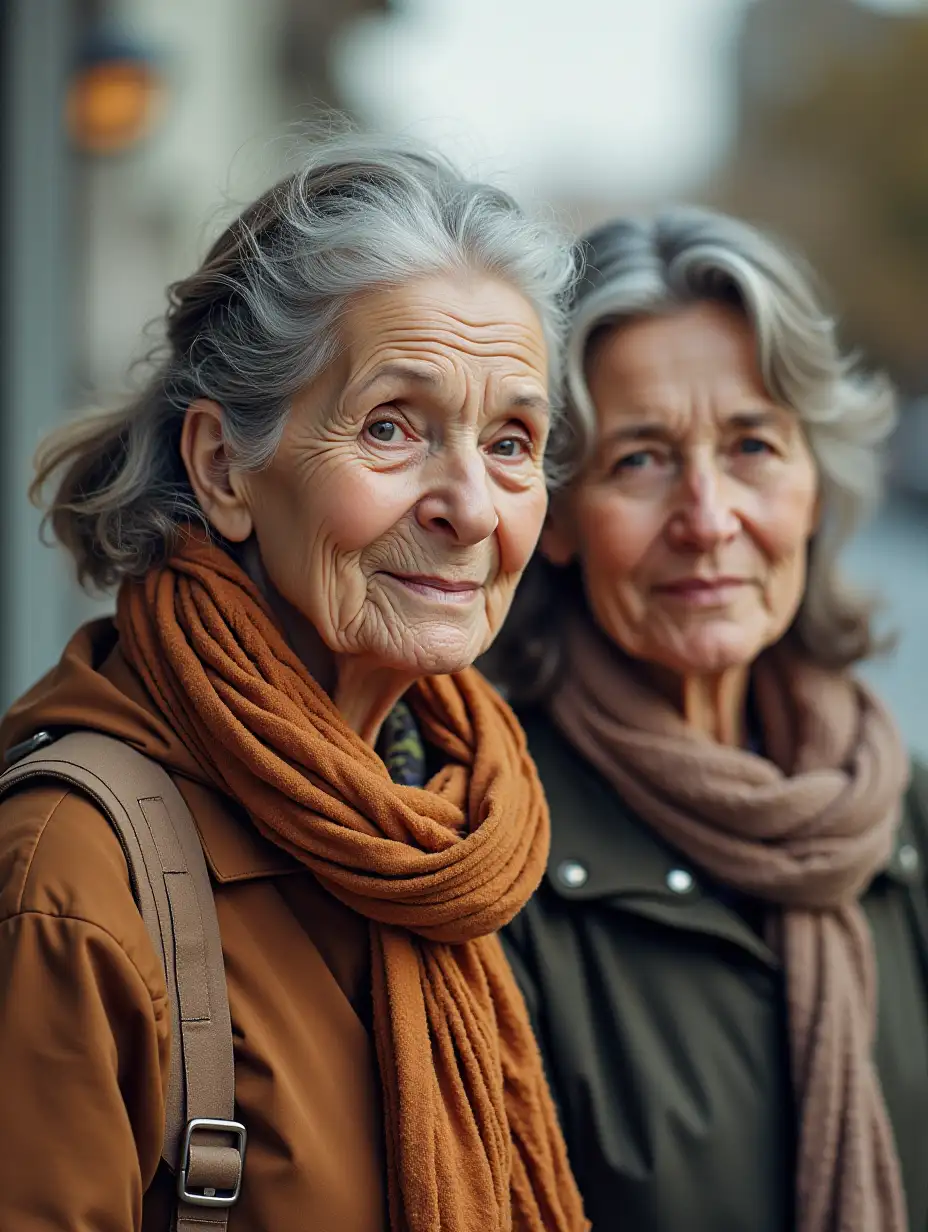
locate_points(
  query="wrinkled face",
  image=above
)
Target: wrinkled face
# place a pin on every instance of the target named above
(691, 524)
(407, 494)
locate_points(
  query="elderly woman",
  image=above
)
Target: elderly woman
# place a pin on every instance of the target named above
(728, 961)
(316, 515)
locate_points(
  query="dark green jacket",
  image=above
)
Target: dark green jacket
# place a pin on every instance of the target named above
(660, 1012)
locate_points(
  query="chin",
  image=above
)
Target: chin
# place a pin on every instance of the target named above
(442, 651)
(710, 652)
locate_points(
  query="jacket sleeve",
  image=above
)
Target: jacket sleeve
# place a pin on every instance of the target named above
(84, 1038)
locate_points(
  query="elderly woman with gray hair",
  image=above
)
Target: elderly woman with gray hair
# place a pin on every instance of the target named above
(727, 963)
(316, 515)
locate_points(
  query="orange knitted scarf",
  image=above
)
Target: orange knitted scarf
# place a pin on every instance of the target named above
(472, 1140)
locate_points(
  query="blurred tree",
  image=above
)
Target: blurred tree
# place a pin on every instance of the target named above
(840, 166)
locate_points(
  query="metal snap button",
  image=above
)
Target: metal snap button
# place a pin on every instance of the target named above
(680, 881)
(908, 858)
(572, 874)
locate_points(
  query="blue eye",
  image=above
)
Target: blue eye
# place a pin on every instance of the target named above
(753, 445)
(509, 447)
(634, 461)
(384, 431)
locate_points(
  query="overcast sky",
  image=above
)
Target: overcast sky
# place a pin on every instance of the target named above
(610, 96)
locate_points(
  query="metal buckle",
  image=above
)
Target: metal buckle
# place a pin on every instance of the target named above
(18, 751)
(239, 1133)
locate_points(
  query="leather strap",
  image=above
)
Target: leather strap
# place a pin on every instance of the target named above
(171, 884)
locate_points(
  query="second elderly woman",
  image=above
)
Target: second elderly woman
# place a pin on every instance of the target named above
(316, 516)
(728, 960)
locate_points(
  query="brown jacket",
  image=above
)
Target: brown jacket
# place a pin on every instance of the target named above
(84, 1025)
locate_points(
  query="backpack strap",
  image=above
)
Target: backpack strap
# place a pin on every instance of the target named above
(203, 1144)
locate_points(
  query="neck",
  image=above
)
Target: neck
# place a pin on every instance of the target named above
(715, 705)
(364, 693)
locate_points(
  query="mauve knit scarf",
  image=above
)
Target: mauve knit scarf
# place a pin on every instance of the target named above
(804, 828)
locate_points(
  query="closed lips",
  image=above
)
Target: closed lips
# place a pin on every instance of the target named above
(436, 587)
(689, 585)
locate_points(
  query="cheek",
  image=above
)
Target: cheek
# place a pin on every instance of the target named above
(521, 517)
(361, 507)
(341, 510)
(782, 523)
(615, 536)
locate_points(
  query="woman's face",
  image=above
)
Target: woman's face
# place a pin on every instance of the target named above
(407, 494)
(691, 524)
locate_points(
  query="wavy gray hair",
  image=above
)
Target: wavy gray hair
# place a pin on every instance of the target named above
(684, 255)
(260, 319)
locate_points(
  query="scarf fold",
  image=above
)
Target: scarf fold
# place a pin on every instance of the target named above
(471, 1136)
(805, 829)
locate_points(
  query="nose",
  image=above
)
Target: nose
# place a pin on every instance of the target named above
(705, 516)
(459, 500)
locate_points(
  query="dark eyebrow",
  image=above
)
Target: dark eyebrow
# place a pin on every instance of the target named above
(636, 432)
(767, 418)
(744, 421)
(530, 402)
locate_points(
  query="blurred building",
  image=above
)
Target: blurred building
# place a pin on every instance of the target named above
(786, 46)
(124, 123)
(831, 151)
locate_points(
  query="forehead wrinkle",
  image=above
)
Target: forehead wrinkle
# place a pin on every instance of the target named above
(642, 422)
(398, 325)
(505, 340)
(419, 340)
(433, 368)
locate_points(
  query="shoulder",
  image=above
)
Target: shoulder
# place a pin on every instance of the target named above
(919, 785)
(60, 860)
(917, 799)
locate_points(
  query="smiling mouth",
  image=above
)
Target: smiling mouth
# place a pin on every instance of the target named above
(702, 592)
(440, 590)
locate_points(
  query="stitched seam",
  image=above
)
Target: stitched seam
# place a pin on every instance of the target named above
(35, 847)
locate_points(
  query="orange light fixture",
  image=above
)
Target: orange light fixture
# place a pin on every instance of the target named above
(115, 98)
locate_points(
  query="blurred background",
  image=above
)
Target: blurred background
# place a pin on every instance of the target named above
(133, 129)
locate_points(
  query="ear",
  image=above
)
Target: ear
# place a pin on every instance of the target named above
(557, 543)
(217, 485)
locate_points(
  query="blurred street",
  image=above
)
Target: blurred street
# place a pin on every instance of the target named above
(132, 129)
(891, 557)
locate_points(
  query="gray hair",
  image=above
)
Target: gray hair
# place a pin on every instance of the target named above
(685, 255)
(260, 319)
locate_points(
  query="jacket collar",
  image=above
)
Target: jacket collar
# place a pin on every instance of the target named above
(599, 849)
(234, 849)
